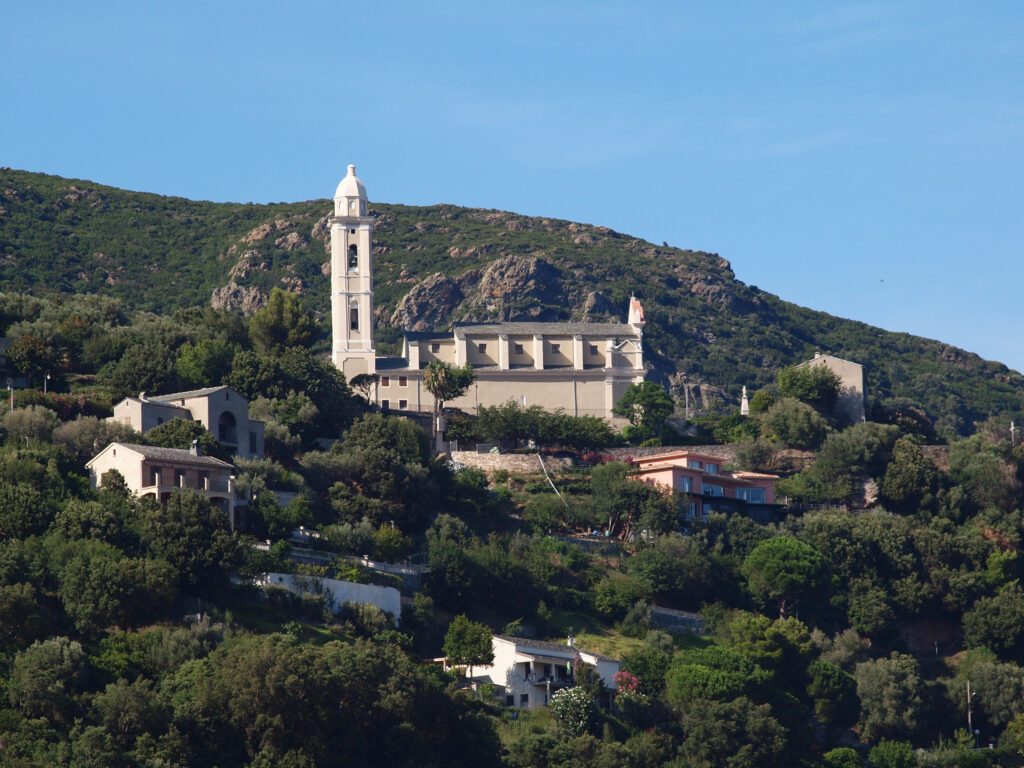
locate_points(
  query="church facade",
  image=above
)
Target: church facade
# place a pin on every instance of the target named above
(581, 368)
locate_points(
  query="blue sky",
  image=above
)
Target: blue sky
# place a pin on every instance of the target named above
(866, 159)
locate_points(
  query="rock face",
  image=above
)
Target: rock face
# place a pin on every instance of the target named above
(244, 298)
(597, 306)
(509, 288)
(428, 304)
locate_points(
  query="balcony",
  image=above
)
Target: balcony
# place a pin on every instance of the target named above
(161, 483)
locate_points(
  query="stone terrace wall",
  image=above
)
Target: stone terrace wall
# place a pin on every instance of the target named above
(511, 462)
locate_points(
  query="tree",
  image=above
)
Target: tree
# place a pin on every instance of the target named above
(647, 405)
(574, 709)
(834, 693)
(734, 734)
(283, 322)
(31, 423)
(892, 754)
(794, 424)
(86, 436)
(23, 510)
(192, 535)
(782, 568)
(892, 695)
(997, 623)
(817, 385)
(446, 382)
(910, 480)
(205, 363)
(45, 678)
(32, 356)
(181, 433)
(364, 383)
(468, 642)
(843, 757)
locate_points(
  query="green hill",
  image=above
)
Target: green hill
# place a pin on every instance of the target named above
(158, 253)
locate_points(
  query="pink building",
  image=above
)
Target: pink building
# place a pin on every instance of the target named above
(710, 488)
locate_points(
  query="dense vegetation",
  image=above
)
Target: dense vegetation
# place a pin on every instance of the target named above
(161, 254)
(844, 632)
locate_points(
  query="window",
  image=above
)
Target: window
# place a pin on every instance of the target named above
(517, 349)
(253, 442)
(510, 700)
(694, 464)
(403, 381)
(713, 490)
(593, 349)
(159, 420)
(227, 395)
(179, 478)
(711, 469)
(435, 348)
(353, 319)
(556, 348)
(686, 484)
(403, 404)
(524, 699)
(752, 495)
(385, 405)
(385, 381)
(481, 348)
(353, 258)
(691, 510)
(351, 231)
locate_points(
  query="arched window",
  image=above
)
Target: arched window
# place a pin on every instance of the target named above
(353, 315)
(353, 258)
(227, 429)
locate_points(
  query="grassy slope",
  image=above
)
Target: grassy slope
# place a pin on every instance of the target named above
(158, 253)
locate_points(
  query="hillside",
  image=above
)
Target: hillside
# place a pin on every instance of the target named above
(436, 264)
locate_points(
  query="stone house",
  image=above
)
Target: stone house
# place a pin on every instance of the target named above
(152, 472)
(222, 410)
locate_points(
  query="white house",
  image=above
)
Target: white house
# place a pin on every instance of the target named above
(222, 410)
(530, 671)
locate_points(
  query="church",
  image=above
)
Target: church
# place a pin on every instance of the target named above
(580, 368)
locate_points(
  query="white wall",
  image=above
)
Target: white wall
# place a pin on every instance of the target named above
(388, 599)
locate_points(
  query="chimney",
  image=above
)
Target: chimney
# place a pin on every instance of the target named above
(195, 450)
(570, 641)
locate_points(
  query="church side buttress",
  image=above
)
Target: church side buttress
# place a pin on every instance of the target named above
(352, 279)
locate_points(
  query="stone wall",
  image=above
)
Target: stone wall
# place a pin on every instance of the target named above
(519, 463)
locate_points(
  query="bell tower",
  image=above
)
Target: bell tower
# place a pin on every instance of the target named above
(352, 279)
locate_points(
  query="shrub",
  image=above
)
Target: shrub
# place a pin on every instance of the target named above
(33, 422)
(575, 710)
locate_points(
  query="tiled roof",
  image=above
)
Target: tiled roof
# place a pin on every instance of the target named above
(547, 645)
(391, 363)
(187, 395)
(547, 329)
(178, 455)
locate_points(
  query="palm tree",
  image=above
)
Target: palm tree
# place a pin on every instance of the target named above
(445, 382)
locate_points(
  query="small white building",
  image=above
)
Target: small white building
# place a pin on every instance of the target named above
(530, 671)
(222, 410)
(337, 592)
(851, 385)
(154, 472)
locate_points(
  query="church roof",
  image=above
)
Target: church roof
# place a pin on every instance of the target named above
(545, 329)
(351, 186)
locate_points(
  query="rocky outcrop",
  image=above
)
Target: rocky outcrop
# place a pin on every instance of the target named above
(249, 261)
(597, 306)
(244, 298)
(291, 241)
(514, 288)
(509, 288)
(261, 232)
(429, 304)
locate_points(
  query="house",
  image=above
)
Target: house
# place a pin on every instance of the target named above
(530, 671)
(850, 405)
(710, 487)
(581, 368)
(222, 410)
(152, 472)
